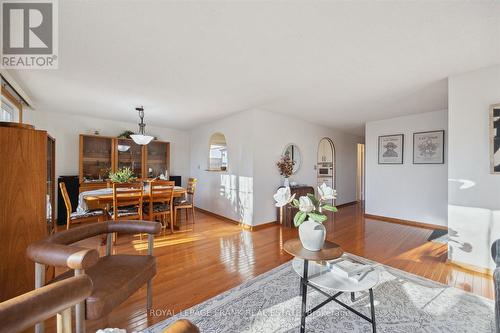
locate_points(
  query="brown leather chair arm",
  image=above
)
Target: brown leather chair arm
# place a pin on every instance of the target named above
(62, 255)
(134, 227)
(22, 312)
(182, 326)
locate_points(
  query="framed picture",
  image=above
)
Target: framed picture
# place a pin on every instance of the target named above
(495, 138)
(390, 149)
(428, 147)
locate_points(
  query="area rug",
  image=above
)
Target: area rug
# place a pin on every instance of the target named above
(403, 303)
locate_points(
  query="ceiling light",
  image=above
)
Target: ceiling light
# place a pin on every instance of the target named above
(140, 138)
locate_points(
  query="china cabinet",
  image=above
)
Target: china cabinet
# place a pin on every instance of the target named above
(129, 155)
(100, 155)
(157, 159)
(26, 179)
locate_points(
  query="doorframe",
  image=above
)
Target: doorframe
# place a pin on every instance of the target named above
(360, 172)
(332, 147)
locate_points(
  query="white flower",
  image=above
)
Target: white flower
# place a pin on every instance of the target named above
(326, 192)
(283, 196)
(305, 204)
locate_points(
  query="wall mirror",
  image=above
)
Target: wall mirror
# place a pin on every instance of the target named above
(217, 156)
(292, 151)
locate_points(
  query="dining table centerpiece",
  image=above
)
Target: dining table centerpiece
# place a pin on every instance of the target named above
(310, 217)
(122, 175)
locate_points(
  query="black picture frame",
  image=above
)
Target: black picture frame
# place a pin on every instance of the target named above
(400, 158)
(441, 161)
(494, 124)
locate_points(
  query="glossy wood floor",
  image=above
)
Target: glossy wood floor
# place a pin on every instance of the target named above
(217, 255)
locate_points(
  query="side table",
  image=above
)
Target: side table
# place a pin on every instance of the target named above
(320, 278)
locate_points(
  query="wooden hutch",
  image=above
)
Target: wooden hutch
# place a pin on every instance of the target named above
(100, 155)
(27, 203)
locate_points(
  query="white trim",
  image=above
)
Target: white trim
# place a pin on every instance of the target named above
(17, 88)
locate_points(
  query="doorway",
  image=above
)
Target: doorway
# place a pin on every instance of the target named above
(360, 173)
(325, 166)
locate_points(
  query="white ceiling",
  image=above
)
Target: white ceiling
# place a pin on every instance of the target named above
(339, 64)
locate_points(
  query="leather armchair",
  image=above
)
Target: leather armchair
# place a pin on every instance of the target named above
(114, 277)
(182, 326)
(24, 311)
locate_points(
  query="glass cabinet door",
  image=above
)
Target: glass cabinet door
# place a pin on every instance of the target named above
(129, 156)
(96, 158)
(157, 158)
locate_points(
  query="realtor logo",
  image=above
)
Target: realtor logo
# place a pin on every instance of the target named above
(29, 34)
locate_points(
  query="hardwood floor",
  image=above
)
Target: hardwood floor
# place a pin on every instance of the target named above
(217, 255)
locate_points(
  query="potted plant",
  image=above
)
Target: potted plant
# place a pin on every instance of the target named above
(309, 219)
(285, 167)
(123, 175)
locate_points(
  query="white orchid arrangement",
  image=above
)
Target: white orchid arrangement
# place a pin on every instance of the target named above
(309, 206)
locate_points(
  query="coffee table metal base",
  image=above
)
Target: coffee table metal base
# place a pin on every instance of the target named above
(304, 283)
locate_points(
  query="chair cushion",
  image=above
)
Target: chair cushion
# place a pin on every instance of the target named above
(157, 208)
(115, 278)
(87, 213)
(125, 211)
(183, 202)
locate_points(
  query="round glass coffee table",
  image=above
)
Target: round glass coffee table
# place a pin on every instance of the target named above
(313, 271)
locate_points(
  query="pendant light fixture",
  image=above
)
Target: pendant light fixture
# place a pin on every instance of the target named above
(140, 138)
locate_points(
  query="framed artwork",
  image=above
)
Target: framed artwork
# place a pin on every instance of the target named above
(428, 147)
(495, 138)
(390, 149)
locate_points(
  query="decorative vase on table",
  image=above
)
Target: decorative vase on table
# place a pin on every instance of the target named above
(312, 235)
(286, 182)
(285, 167)
(310, 217)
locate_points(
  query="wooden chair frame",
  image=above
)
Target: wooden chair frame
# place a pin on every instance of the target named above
(161, 191)
(59, 250)
(69, 210)
(189, 205)
(127, 194)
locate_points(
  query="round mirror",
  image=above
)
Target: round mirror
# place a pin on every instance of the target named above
(292, 151)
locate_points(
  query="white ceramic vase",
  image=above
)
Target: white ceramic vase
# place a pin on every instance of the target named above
(312, 235)
(286, 182)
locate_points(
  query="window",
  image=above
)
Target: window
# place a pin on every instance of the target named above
(217, 158)
(7, 110)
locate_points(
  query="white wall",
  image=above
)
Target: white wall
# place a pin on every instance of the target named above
(255, 140)
(227, 193)
(415, 192)
(66, 129)
(473, 193)
(273, 132)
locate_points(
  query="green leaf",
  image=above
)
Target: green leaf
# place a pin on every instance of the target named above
(299, 218)
(295, 203)
(313, 199)
(317, 217)
(329, 207)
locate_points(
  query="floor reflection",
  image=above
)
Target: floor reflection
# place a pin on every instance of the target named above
(237, 253)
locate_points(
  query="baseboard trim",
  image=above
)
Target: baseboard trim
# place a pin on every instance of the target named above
(241, 225)
(469, 267)
(406, 222)
(347, 204)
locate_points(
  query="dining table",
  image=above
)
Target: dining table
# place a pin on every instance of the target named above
(101, 198)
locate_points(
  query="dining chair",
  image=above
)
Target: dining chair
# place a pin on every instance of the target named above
(187, 202)
(79, 217)
(161, 194)
(127, 202)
